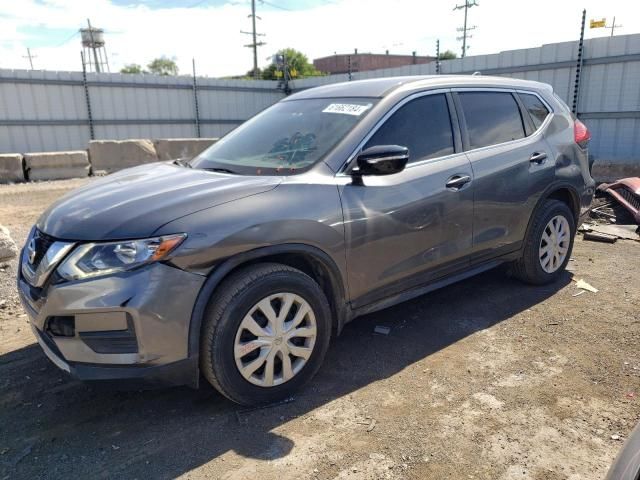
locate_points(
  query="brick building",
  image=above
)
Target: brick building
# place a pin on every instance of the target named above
(361, 62)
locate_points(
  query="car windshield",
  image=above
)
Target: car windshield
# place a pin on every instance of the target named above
(286, 138)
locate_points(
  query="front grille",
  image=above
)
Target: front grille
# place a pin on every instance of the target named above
(42, 243)
(630, 197)
(40, 257)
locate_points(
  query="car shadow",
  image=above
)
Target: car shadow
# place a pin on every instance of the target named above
(53, 426)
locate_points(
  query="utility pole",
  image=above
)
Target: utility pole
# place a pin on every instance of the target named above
(467, 5)
(614, 26)
(30, 57)
(438, 57)
(254, 35)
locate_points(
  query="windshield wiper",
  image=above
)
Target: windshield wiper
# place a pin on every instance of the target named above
(182, 162)
(219, 170)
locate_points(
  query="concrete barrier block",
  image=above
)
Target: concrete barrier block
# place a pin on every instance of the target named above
(173, 148)
(11, 168)
(603, 171)
(112, 155)
(56, 165)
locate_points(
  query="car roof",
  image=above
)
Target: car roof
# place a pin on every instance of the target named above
(381, 87)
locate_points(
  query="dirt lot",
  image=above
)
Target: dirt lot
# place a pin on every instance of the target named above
(486, 379)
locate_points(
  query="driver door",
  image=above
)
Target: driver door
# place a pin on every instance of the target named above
(406, 229)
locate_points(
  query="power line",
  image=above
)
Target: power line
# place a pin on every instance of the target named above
(467, 5)
(68, 39)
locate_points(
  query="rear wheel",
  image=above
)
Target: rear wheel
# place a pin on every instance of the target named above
(265, 334)
(548, 246)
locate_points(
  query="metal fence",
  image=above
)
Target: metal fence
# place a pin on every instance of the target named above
(48, 110)
(608, 100)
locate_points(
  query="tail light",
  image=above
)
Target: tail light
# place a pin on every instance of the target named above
(581, 133)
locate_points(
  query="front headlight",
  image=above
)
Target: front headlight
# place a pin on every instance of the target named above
(94, 259)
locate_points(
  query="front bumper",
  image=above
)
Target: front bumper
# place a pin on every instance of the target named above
(132, 325)
(181, 372)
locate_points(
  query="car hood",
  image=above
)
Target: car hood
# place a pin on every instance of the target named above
(135, 202)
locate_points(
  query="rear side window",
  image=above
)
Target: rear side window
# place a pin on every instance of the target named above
(422, 125)
(492, 118)
(537, 110)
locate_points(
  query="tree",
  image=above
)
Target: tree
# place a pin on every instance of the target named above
(448, 55)
(297, 63)
(132, 68)
(163, 66)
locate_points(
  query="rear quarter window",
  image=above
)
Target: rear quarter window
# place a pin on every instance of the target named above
(537, 110)
(491, 118)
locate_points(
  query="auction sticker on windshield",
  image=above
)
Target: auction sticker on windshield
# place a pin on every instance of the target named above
(347, 108)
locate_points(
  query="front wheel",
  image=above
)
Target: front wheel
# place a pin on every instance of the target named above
(548, 245)
(265, 334)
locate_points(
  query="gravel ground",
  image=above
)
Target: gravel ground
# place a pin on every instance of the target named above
(485, 379)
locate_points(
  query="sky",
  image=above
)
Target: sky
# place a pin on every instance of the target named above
(137, 31)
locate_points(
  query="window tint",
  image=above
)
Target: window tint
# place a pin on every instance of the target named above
(535, 107)
(423, 125)
(492, 117)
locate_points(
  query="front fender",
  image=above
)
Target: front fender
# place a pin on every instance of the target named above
(296, 217)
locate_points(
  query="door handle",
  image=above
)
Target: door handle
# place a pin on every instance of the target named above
(538, 157)
(457, 181)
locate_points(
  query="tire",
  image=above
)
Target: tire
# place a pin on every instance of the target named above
(529, 268)
(225, 334)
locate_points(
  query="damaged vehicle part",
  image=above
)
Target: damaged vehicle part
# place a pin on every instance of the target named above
(627, 192)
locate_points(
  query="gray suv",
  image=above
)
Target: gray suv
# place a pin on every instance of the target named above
(335, 202)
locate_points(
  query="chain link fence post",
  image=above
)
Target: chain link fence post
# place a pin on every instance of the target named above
(86, 96)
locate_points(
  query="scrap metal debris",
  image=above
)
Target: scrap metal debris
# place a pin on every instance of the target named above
(615, 212)
(599, 237)
(609, 233)
(625, 191)
(627, 232)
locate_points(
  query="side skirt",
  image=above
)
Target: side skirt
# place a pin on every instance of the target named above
(421, 290)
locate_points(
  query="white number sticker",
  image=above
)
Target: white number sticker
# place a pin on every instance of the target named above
(347, 108)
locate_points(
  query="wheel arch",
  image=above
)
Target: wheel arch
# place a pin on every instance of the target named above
(568, 195)
(563, 192)
(311, 260)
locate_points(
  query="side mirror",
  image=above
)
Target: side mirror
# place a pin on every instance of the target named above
(382, 160)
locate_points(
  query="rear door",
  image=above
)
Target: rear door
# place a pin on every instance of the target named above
(407, 228)
(511, 164)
